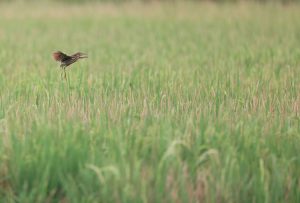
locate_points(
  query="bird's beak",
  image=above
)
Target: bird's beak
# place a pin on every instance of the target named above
(83, 55)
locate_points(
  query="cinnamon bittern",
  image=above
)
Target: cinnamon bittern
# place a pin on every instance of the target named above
(66, 60)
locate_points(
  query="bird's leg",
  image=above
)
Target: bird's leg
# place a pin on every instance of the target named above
(65, 74)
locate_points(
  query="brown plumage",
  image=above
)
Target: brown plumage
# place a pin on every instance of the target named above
(66, 60)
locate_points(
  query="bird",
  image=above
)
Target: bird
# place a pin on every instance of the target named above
(66, 60)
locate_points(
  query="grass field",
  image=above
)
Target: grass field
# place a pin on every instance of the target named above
(176, 103)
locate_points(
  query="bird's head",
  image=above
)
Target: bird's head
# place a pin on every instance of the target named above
(80, 55)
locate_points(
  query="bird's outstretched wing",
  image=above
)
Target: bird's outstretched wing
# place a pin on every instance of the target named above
(59, 56)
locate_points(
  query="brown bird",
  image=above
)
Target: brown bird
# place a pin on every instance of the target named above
(66, 60)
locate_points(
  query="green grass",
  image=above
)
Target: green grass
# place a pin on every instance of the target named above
(176, 103)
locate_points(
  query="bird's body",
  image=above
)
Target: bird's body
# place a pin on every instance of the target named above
(66, 60)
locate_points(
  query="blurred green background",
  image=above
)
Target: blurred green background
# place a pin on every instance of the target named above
(178, 102)
(123, 1)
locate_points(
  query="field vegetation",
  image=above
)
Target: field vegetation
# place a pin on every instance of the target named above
(177, 102)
